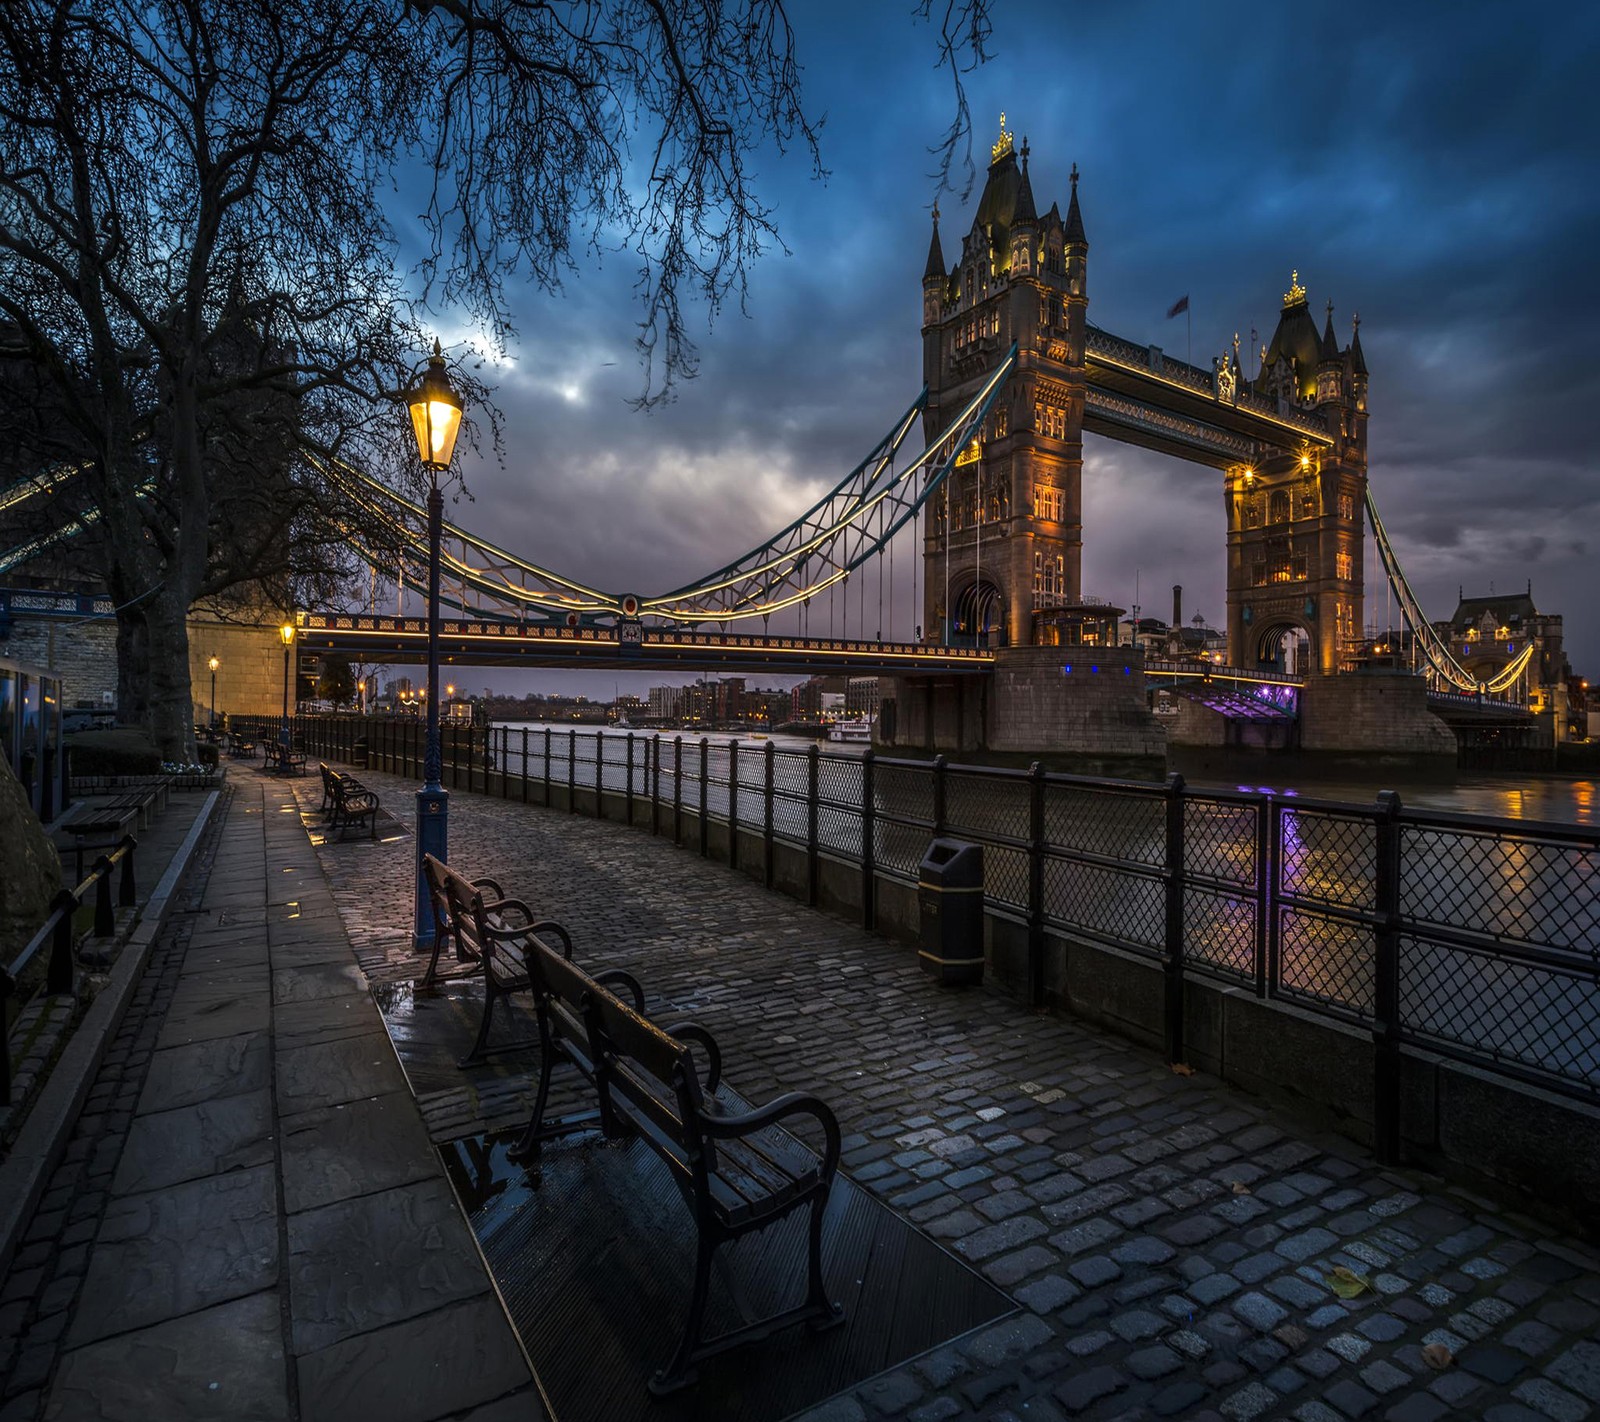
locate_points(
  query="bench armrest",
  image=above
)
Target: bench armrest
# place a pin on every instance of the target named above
(793, 1103)
(499, 893)
(549, 925)
(622, 979)
(693, 1032)
(499, 908)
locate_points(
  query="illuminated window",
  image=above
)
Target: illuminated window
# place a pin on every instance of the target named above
(1347, 507)
(1252, 513)
(1343, 566)
(1002, 422)
(1049, 575)
(1048, 420)
(1047, 503)
(1278, 506)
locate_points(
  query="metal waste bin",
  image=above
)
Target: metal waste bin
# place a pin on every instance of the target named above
(950, 897)
(358, 753)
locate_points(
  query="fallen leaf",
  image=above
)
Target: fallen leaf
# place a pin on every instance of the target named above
(1182, 1069)
(1437, 1357)
(1240, 1188)
(1347, 1283)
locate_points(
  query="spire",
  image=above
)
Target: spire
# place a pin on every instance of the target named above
(936, 266)
(1025, 210)
(1296, 294)
(1330, 342)
(1358, 362)
(1002, 145)
(1075, 231)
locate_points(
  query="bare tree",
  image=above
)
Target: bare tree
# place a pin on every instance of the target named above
(197, 259)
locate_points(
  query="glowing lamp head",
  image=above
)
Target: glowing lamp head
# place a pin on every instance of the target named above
(435, 414)
(287, 633)
(214, 664)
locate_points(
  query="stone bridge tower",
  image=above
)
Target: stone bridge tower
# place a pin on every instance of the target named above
(1004, 535)
(1295, 518)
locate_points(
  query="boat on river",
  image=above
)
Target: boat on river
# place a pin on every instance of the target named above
(856, 731)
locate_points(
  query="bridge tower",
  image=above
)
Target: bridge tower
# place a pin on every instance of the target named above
(1295, 518)
(1004, 535)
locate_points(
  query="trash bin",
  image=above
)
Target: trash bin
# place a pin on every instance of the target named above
(358, 753)
(950, 897)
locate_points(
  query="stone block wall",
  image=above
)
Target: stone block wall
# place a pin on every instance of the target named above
(1076, 700)
(82, 652)
(1372, 712)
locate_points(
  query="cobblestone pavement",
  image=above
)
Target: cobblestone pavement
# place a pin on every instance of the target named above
(249, 1221)
(1171, 1241)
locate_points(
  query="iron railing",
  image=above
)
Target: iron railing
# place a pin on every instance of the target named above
(59, 934)
(1471, 937)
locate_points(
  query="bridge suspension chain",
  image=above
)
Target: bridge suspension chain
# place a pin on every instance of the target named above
(1441, 661)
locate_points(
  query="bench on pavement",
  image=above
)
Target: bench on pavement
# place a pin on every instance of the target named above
(346, 801)
(738, 1173)
(493, 932)
(242, 748)
(83, 821)
(279, 759)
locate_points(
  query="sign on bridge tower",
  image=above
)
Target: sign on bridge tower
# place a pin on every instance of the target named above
(1295, 515)
(1004, 534)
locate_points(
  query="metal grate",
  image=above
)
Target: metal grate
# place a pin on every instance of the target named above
(1219, 840)
(1327, 960)
(1112, 904)
(1122, 826)
(1219, 931)
(1327, 857)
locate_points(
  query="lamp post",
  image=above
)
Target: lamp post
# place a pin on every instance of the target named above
(436, 420)
(286, 632)
(214, 664)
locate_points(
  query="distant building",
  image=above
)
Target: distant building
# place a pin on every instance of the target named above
(863, 697)
(1487, 634)
(665, 702)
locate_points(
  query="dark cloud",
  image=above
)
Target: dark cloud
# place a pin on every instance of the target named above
(1430, 166)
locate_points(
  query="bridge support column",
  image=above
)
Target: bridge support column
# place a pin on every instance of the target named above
(1374, 720)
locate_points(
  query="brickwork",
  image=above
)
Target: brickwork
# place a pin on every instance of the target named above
(84, 654)
(1172, 1243)
(1372, 711)
(1074, 699)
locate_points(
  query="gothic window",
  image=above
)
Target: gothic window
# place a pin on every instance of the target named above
(1258, 573)
(991, 322)
(1347, 507)
(1053, 261)
(1002, 422)
(1049, 576)
(1051, 421)
(1044, 311)
(1343, 566)
(1278, 506)
(1047, 503)
(972, 285)
(1252, 513)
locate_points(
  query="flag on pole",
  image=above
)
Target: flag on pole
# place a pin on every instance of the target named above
(1178, 307)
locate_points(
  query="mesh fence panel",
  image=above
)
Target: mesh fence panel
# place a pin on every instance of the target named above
(1125, 907)
(981, 807)
(1119, 825)
(1513, 887)
(1540, 1017)
(1329, 857)
(1325, 959)
(1219, 840)
(839, 831)
(1219, 930)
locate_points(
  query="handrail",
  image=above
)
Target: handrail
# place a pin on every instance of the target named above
(57, 931)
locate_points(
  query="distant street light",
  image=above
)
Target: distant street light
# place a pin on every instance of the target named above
(436, 411)
(214, 665)
(287, 633)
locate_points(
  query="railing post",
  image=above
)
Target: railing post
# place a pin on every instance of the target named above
(813, 760)
(105, 917)
(869, 866)
(1174, 924)
(628, 793)
(677, 789)
(1386, 985)
(524, 765)
(58, 975)
(654, 783)
(472, 745)
(733, 804)
(572, 771)
(547, 737)
(1267, 823)
(771, 754)
(938, 796)
(1036, 884)
(127, 890)
(705, 775)
(599, 775)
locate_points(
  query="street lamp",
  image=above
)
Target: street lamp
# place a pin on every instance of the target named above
(214, 665)
(436, 421)
(286, 632)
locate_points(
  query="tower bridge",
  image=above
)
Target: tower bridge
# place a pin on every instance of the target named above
(989, 516)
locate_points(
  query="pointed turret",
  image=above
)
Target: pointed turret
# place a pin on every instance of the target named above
(1330, 342)
(935, 266)
(1074, 232)
(1358, 362)
(1025, 210)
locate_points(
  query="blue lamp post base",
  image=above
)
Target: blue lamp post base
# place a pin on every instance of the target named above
(433, 837)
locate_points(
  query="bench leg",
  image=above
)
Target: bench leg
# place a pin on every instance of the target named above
(680, 1372)
(475, 1056)
(828, 1312)
(526, 1151)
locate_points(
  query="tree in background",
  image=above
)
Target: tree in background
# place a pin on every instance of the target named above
(198, 268)
(337, 683)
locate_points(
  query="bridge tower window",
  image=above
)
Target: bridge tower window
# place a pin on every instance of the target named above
(1278, 506)
(1343, 566)
(1347, 507)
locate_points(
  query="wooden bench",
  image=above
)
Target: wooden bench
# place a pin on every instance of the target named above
(493, 932)
(84, 820)
(242, 748)
(279, 759)
(346, 801)
(738, 1173)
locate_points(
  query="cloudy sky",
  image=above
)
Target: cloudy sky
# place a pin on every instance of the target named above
(1432, 167)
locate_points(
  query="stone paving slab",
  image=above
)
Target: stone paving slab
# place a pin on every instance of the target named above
(211, 1137)
(225, 1361)
(325, 1019)
(182, 1076)
(334, 1152)
(331, 1073)
(207, 1017)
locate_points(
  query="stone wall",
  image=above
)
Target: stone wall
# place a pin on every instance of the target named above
(1379, 718)
(82, 652)
(1086, 702)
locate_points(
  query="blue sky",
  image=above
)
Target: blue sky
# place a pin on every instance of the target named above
(1431, 167)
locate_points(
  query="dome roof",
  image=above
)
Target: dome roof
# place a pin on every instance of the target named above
(1296, 341)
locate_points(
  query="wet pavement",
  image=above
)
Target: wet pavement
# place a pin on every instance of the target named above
(252, 1223)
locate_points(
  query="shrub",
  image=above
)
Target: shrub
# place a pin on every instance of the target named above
(126, 750)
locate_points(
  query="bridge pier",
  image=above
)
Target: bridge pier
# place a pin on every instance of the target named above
(1082, 709)
(1374, 720)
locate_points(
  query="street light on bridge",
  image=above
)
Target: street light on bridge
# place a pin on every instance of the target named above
(436, 421)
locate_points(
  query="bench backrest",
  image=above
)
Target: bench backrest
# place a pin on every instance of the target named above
(655, 1074)
(437, 875)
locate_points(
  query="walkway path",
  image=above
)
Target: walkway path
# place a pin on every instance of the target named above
(1170, 1239)
(250, 1222)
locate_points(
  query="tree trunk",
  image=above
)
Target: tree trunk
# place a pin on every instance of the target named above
(133, 667)
(171, 702)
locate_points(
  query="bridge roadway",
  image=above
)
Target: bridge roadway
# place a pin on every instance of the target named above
(494, 642)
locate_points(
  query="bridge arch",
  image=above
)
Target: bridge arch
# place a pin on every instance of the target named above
(1285, 644)
(979, 614)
